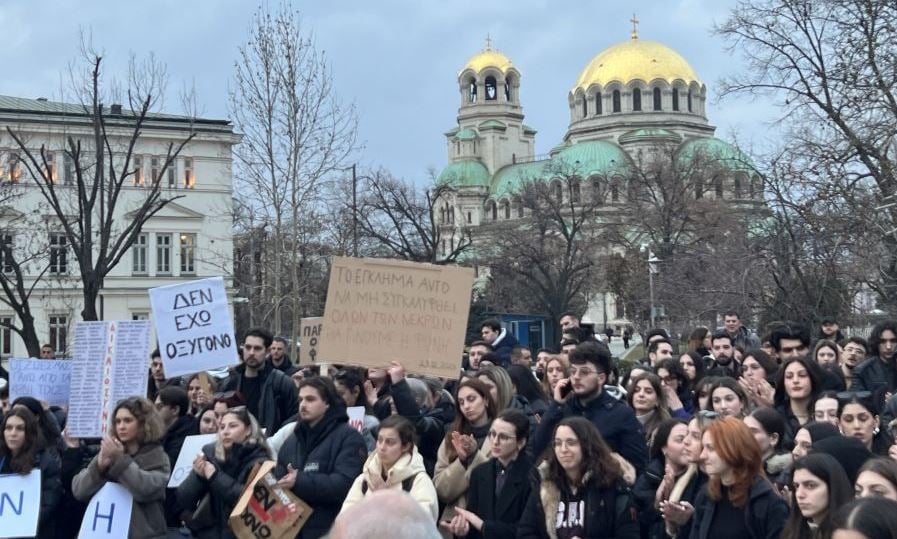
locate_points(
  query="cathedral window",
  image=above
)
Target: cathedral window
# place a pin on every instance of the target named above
(718, 186)
(585, 108)
(738, 187)
(507, 91)
(558, 191)
(689, 100)
(676, 99)
(657, 105)
(575, 191)
(597, 194)
(468, 218)
(615, 191)
(472, 91)
(636, 99)
(506, 209)
(598, 104)
(518, 203)
(699, 187)
(616, 99)
(494, 210)
(491, 89)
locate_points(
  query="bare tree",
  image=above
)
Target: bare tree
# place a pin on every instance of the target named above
(296, 133)
(830, 64)
(400, 221)
(87, 205)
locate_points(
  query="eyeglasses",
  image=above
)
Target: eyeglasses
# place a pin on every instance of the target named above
(849, 395)
(500, 436)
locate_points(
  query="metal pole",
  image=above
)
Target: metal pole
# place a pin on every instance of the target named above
(354, 213)
(651, 286)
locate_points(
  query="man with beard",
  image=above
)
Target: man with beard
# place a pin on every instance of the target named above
(878, 371)
(723, 350)
(855, 350)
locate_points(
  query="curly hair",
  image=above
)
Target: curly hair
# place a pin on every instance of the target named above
(150, 426)
(23, 461)
(597, 463)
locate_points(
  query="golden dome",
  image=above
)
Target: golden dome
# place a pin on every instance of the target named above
(636, 59)
(488, 57)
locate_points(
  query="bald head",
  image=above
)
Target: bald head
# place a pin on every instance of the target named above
(370, 518)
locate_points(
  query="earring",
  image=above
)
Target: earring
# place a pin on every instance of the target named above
(875, 432)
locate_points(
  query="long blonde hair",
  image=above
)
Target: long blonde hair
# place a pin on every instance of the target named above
(255, 432)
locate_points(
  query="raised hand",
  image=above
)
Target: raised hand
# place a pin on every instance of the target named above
(396, 372)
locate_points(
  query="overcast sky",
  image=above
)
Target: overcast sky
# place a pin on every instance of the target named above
(397, 60)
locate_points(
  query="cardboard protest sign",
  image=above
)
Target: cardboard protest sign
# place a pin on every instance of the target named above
(356, 417)
(310, 339)
(44, 379)
(184, 465)
(379, 311)
(20, 504)
(194, 326)
(110, 362)
(108, 514)
(266, 510)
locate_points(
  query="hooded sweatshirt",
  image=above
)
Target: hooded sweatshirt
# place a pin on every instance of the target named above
(408, 466)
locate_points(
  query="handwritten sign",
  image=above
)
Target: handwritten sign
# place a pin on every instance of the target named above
(194, 326)
(108, 514)
(356, 417)
(192, 447)
(20, 504)
(109, 356)
(44, 379)
(310, 339)
(378, 311)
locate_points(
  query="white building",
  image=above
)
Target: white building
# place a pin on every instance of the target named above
(188, 239)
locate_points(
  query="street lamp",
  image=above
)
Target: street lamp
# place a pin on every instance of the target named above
(652, 269)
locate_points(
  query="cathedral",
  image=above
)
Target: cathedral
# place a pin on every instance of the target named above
(632, 97)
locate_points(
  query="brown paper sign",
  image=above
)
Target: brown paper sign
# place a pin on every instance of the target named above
(379, 311)
(310, 339)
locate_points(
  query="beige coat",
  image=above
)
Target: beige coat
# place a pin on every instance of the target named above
(452, 479)
(422, 490)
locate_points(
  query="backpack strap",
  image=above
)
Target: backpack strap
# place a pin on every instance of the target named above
(407, 484)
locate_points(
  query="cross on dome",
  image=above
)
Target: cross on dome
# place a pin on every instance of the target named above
(488, 43)
(634, 21)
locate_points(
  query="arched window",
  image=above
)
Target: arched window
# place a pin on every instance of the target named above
(616, 99)
(738, 186)
(756, 187)
(699, 186)
(518, 203)
(598, 104)
(575, 191)
(615, 190)
(718, 186)
(507, 90)
(472, 91)
(468, 218)
(597, 192)
(491, 89)
(585, 107)
(636, 99)
(689, 100)
(676, 99)
(558, 191)
(505, 209)
(657, 105)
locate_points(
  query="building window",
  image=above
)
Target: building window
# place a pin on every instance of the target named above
(189, 180)
(657, 104)
(688, 97)
(598, 104)
(737, 187)
(5, 336)
(491, 89)
(575, 191)
(676, 99)
(699, 187)
(493, 208)
(615, 191)
(468, 218)
(558, 191)
(188, 254)
(518, 202)
(718, 186)
(59, 256)
(140, 316)
(472, 91)
(138, 170)
(636, 99)
(597, 195)
(585, 107)
(50, 166)
(14, 166)
(68, 169)
(139, 250)
(154, 170)
(616, 99)
(508, 90)
(59, 329)
(172, 175)
(6, 255)
(163, 253)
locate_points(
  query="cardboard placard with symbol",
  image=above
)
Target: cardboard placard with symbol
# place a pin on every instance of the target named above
(310, 339)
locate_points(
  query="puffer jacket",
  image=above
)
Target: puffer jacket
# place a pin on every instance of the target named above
(328, 457)
(409, 465)
(224, 489)
(145, 475)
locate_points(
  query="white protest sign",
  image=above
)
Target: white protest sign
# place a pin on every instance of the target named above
(19, 504)
(109, 356)
(44, 379)
(184, 465)
(194, 326)
(356, 417)
(108, 514)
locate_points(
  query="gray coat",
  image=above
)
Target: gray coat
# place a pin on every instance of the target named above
(145, 475)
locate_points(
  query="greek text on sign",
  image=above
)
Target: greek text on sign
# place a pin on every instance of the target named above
(47, 380)
(194, 326)
(310, 330)
(378, 311)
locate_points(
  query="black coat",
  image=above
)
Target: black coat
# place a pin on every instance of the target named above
(224, 488)
(764, 515)
(428, 423)
(71, 511)
(875, 375)
(279, 398)
(172, 443)
(500, 517)
(328, 457)
(50, 491)
(645, 492)
(615, 421)
(610, 512)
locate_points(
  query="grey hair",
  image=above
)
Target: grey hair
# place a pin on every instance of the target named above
(407, 519)
(420, 391)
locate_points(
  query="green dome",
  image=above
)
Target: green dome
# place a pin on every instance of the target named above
(492, 124)
(716, 152)
(466, 134)
(509, 179)
(593, 157)
(466, 173)
(649, 135)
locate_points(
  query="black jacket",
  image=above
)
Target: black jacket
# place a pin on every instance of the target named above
(172, 442)
(610, 512)
(428, 423)
(50, 491)
(874, 375)
(71, 511)
(615, 421)
(328, 457)
(500, 517)
(286, 366)
(224, 488)
(502, 346)
(645, 492)
(279, 398)
(764, 515)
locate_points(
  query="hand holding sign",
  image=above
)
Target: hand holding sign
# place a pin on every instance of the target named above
(289, 479)
(396, 372)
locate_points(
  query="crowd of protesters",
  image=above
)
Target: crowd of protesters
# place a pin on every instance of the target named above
(789, 433)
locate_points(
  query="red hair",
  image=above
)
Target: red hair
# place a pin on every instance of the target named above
(735, 445)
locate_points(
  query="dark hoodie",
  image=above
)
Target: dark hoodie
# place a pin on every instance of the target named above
(328, 457)
(850, 452)
(278, 398)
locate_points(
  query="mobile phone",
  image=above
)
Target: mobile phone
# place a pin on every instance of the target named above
(566, 389)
